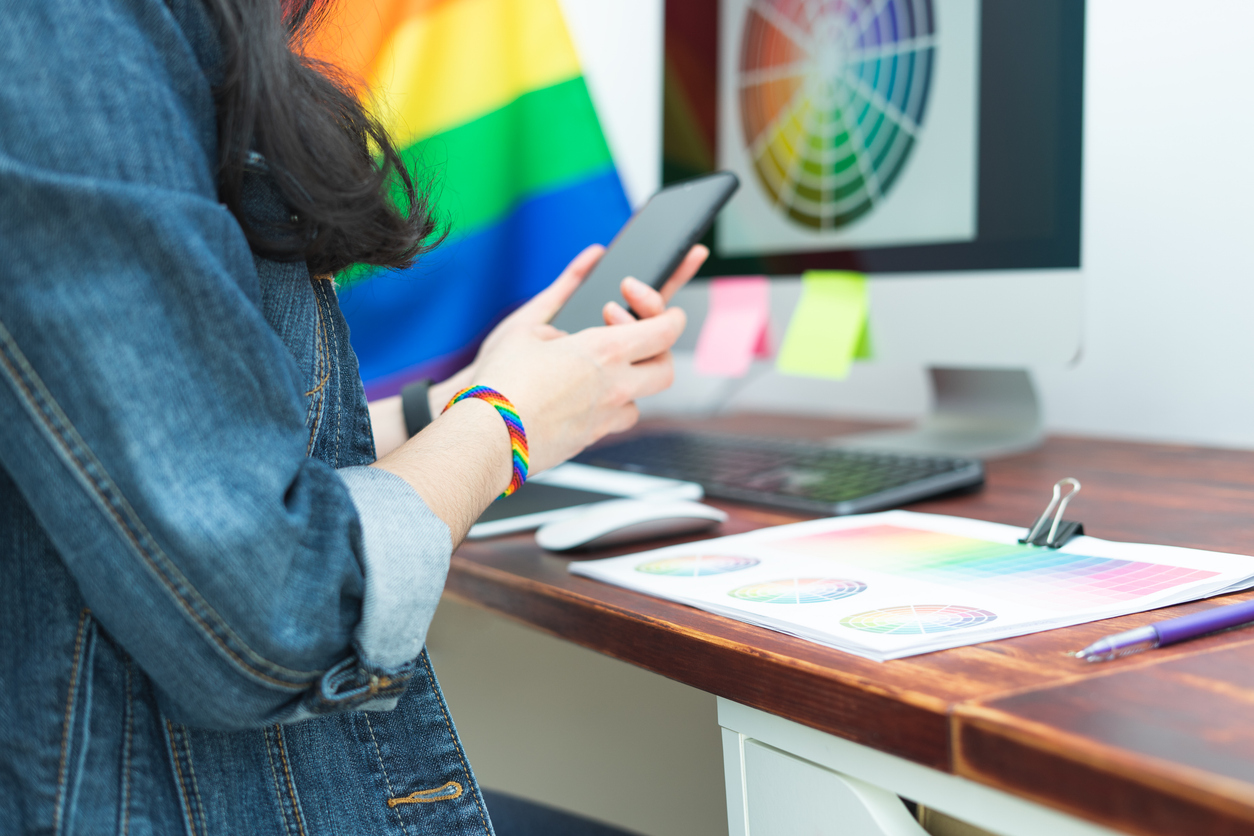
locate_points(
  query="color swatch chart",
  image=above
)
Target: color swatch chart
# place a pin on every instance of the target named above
(697, 565)
(897, 583)
(1043, 577)
(798, 591)
(918, 619)
(832, 97)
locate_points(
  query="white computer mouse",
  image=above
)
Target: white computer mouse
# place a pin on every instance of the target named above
(627, 521)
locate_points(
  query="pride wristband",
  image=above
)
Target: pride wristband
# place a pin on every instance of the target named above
(517, 435)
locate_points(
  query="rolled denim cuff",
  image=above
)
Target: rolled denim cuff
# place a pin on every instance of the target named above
(350, 687)
(405, 554)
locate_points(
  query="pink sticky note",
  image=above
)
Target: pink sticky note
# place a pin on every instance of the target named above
(737, 327)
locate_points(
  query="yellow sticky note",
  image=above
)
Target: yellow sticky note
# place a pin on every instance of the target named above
(829, 327)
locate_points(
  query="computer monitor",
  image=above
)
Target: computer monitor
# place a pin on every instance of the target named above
(935, 145)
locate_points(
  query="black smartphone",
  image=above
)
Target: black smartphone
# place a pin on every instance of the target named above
(649, 246)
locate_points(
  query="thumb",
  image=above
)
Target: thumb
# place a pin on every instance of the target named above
(545, 304)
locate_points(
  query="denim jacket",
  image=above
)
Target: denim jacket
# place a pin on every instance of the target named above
(212, 612)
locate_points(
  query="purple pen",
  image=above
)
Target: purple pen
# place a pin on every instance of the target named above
(1168, 632)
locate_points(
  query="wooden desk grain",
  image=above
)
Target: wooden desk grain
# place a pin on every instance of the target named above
(1158, 743)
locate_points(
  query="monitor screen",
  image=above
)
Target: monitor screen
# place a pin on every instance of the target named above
(881, 135)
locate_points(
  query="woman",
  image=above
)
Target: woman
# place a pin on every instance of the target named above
(213, 597)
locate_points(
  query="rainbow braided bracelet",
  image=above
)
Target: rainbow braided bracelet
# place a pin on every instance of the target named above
(517, 435)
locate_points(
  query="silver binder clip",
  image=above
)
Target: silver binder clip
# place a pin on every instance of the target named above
(1062, 530)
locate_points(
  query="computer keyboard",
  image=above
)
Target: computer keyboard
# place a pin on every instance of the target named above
(806, 476)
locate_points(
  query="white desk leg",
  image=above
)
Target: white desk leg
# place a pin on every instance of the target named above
(798, 748)
(771, 793)
(734, 776)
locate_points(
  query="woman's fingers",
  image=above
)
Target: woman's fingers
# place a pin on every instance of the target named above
(615, 314)
(547, 332)
(648, 377)
(622, 419)
(545, 304)
(642, 339)
(642, 299)
(645, 301)
(686, 270)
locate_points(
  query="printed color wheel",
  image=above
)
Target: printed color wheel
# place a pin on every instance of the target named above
(919, 618)
(832, 95)
(798, 591)
(696, 565)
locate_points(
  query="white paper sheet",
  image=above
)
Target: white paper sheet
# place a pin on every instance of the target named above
(898, 583)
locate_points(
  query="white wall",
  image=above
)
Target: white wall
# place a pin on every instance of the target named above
(1168, 220)
(1169, 226)
(620, 47)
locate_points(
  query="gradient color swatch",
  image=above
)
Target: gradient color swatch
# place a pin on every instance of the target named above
(917, 619)
(798, 591)
(832, 97)
(517, 435)
(486, 98)
(697, 565)
(1028, 574)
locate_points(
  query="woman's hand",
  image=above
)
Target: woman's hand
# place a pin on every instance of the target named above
(569, 389)
(644, 300)
(594, 377)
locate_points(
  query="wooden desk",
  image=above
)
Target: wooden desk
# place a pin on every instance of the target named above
(1156, 744)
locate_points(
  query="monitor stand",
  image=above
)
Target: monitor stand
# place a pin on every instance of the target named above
(981, 413)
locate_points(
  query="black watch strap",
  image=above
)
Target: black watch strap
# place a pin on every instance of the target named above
(416, 405)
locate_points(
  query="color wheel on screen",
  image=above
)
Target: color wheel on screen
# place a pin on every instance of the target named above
(697, 565)
(798, 591)
(832, 98)
(918, 618)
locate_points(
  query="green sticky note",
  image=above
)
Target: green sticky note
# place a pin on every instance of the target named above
(862, 351)
(829, 327)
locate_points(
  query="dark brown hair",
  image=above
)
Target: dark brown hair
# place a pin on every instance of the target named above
(333, 163)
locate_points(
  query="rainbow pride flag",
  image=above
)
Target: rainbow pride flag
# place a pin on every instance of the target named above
(488, 99)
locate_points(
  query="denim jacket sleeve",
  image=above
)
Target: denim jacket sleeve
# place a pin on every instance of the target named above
(151, 418)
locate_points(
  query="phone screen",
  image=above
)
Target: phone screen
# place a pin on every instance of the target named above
(650, 246)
